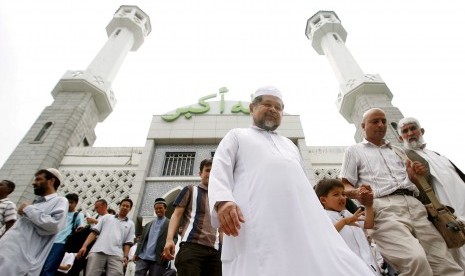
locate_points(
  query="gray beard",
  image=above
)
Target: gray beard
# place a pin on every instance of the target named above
(415, 145)
(267, 125)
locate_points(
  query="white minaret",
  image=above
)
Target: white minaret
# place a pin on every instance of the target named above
(82, 98)
(126, 32)
(358, 91)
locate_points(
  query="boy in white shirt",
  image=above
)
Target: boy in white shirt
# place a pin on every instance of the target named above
(350, 226)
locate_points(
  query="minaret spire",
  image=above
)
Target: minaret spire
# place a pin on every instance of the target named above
(358, 91)
(82, 98)
(126, 32)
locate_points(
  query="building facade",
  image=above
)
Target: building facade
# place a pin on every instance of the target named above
(176, 144)
(177, 141)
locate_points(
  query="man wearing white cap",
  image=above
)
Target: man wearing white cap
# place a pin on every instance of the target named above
(149, 252)
(262, 199)
(446, 179)
(26, 245)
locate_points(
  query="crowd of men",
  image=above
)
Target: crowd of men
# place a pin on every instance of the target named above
(254, 212)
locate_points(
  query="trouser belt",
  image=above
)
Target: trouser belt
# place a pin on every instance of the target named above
(406, 192)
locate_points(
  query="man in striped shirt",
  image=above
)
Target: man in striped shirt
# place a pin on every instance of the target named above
(7, 207)
(199, 249)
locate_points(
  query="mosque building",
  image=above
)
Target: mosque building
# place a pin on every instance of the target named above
(177, 141)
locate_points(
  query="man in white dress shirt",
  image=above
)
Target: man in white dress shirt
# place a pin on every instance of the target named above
(402, 231)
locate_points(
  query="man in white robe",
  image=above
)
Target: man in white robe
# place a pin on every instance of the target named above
(447, 180)
(262, 199)
(24, 248)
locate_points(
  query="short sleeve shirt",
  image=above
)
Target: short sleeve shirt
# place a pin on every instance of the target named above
(197, 227)
(113, 234)
(7, 213)
(378, 166)
(63, 234)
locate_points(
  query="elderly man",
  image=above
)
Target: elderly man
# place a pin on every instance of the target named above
(26, 245)
(149, 250)
(101, 208)
(403, 234)
(446, 179)
(263, 201)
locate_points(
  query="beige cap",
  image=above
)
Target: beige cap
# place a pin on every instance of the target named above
(56, 173)
(268, 90)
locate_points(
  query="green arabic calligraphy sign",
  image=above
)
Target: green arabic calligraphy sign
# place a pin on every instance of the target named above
(204, 107)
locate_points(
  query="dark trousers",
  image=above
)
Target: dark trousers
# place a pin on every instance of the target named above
(78, 266)
(198, 260)
(144, 266)
(53, 261)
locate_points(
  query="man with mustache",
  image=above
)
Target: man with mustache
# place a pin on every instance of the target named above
(262, 199)
(404, 235)
(446, 179)
(26, 245)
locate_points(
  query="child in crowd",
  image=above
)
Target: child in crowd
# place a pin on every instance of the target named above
(350, 226)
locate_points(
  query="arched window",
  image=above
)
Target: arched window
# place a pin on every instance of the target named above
(42, 132)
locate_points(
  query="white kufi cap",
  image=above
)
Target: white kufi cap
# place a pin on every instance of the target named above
(269, 91)
(56, 173)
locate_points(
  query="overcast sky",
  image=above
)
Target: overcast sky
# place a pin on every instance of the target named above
(196, 47)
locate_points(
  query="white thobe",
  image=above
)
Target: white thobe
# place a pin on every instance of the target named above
(286, 230)
(24, 248)
(450, 190)
(355, 239)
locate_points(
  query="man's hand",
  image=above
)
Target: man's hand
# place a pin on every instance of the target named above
(366, 195)
(81, 253)
(169, 250)
(415, 168)
(91, 220)
(230, 218)
(21, 208)
(359, 192)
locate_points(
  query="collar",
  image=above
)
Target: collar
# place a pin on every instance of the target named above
(261, 129)
(203, 187)
(50, 196)
(5, 199)
(40, 199)
(368, 143)
(122, 219)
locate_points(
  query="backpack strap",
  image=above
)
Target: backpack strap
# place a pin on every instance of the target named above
(424, 186)
(74, 221)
